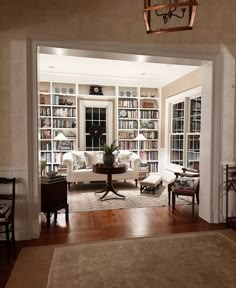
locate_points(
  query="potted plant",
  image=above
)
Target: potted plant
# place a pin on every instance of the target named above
(43, 166)
(109, 156)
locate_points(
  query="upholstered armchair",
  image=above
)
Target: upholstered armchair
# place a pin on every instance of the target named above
(186, 183)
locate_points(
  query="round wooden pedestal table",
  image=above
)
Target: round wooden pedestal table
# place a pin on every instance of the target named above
(109, 170)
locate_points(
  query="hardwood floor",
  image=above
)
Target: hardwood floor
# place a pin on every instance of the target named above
(110, 224)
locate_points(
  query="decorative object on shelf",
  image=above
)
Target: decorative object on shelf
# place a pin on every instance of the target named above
(96, 130)
(109, 156)
(122, 93)
(147, 104)
(71, 90)
(57, 90)
(60, 137)
(134, 94)
(123, 113)
(64, 90)
(139, 138)
(144, 125)
(128, 93)
(150, 125)
(69, 102)
(95, 90)
(168, 10)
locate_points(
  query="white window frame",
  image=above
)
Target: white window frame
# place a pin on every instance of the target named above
(184, 96)
(95, 104)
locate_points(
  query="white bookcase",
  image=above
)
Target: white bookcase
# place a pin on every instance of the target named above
(138, 112)
(57, 113)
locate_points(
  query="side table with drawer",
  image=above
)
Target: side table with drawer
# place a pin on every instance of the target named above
(54, 198)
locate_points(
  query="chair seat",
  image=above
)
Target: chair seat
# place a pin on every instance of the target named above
(185, 184)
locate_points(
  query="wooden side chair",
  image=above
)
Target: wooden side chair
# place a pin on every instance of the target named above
(186, 183)
(7, 211)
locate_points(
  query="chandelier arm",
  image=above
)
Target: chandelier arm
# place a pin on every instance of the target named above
(173, 10)
(161, 14)
(182, 16)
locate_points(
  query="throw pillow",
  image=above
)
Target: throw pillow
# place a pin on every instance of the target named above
(124, 157)
(186, 183)
(91, 158)
(100, 156)
(78, 161)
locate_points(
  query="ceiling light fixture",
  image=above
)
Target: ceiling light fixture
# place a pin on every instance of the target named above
(170, 15)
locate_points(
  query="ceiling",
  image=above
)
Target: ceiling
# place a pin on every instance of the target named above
(96, 68)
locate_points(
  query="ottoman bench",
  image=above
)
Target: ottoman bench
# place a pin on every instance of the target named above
(151, 183)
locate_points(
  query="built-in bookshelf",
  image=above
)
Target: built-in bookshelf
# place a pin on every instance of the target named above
(57, 114)
(137, 110)
(138, 113)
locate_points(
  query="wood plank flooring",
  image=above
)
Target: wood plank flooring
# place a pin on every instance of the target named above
(110, 224)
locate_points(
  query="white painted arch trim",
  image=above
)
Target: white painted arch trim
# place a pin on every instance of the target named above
(130, 52)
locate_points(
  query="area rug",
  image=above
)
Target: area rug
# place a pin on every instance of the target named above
(82, 197)
(203, 259)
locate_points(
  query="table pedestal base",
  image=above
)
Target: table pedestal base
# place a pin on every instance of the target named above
(109, 188)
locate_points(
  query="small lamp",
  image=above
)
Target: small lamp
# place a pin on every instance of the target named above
(60, 137)
(139, 138)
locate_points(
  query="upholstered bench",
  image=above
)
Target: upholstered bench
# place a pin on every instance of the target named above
(151, 183)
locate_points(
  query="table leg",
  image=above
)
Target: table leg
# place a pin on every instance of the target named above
(48, 219)
(67, 212)
(109, 187)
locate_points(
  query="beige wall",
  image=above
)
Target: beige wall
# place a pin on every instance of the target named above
(93, 21)
(113, 21)
(185, 83)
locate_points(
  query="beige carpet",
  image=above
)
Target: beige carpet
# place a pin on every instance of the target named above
(204, 259)
(82, 197)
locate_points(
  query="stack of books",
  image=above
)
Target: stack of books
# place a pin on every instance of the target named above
(53, 179)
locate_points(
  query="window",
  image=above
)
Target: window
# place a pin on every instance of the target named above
(184, 129)
(193, 137)
(95, 123)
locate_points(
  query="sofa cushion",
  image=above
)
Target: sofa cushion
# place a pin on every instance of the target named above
(78, 160)
(124, 157)
(91, 158)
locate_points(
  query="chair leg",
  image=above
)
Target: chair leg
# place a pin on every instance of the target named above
(67, 213)
(193, 205)
(8, 243)
(136, 182)
(13, 233)
(197, 197)
(173, 200)
(169, 196)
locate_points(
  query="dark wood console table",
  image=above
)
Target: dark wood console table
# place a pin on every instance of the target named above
(54, 198)
(109, 170)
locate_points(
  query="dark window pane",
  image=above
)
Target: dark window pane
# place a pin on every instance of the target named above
(88, 113)
(88, 141)
(88, 125)
(103, 113)
(95, 142)
(103, 125)
(103, 139)
(95, 113)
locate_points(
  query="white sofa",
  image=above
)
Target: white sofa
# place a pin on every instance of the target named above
(79, 166)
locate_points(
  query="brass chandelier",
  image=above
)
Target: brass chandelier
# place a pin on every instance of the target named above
(169, 16)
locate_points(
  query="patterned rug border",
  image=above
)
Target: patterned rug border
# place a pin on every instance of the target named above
(83, 197)
(38, 258)
(135, 242)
